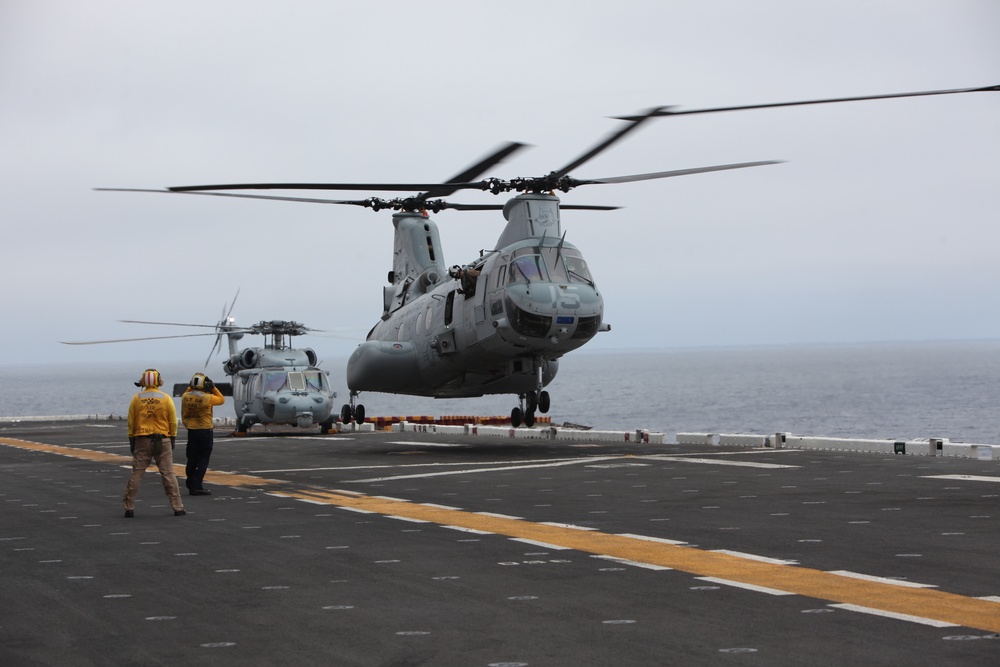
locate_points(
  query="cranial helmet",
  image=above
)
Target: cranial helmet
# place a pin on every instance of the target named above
(198, 381)
(150, 378)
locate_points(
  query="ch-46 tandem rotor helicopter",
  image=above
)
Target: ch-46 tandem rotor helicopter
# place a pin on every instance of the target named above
(273, 384)
(500, 323)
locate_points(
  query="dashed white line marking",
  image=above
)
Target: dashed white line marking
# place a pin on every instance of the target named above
(762, 559)
(472, 471)
(468, 530)
(720, 462)
(749, 587)
(633, 563)
(535, 543)
(883, 580)
(662, 540)
(970, 478)
(900, 617)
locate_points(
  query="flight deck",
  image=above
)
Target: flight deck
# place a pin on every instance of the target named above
(389, 548)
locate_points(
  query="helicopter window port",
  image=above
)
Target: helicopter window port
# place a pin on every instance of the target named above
(528, 324)
(501, 274)
(449, 308)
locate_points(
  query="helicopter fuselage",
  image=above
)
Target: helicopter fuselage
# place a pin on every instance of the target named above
(279, 386)
(495, 326)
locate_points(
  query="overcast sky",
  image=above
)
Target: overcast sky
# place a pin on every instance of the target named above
(882, 224)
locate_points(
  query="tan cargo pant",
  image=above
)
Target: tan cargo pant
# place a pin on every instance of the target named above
(144, 453)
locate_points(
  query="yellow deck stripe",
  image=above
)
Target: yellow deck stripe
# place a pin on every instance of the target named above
(919, 602)
(223, 478)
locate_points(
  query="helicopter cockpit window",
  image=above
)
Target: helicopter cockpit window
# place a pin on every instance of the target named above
(554, 258)
(314, 380)
(577, 269)
(296, 381)
(274, 380)
(527, 267)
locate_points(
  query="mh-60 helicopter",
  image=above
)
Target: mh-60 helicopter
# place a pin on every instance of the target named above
(273, 384)
(500, 323)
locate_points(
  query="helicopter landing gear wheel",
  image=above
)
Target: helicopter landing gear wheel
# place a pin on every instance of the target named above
(243, 425)
(525, 412)
(352, 411)
(325, 427)
(543, 402)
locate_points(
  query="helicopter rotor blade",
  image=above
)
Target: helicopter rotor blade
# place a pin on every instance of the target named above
(170, 324)
(228, 313)
(674, 172)
(215, 348)
(233, 304)
(129, 340)
(588, 207)
(384, 187)
(308, 200)
(614, 137)
(474, 171)
(457, 182)
(672, 111)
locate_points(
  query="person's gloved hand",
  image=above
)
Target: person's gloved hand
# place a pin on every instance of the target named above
(173, 443)
(209, 385)
(131, 444)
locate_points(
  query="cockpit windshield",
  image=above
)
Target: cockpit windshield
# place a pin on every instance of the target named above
(294, 381)
(549, 264)
(577, 269)
(527, 267)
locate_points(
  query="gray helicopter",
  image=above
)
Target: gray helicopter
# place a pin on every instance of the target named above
(273, 384)
(500, 323)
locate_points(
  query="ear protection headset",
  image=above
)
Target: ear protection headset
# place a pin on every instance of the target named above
(198, 381)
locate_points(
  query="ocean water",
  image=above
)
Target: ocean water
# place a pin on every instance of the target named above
(886, 390)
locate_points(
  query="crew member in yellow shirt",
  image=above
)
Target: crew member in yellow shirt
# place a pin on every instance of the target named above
(196, 412)
(152, 418)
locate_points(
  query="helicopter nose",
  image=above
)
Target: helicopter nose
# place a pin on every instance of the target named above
(554, 312)
(304, 410)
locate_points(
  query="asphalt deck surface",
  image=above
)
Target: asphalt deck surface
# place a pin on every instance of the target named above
(414, 549)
